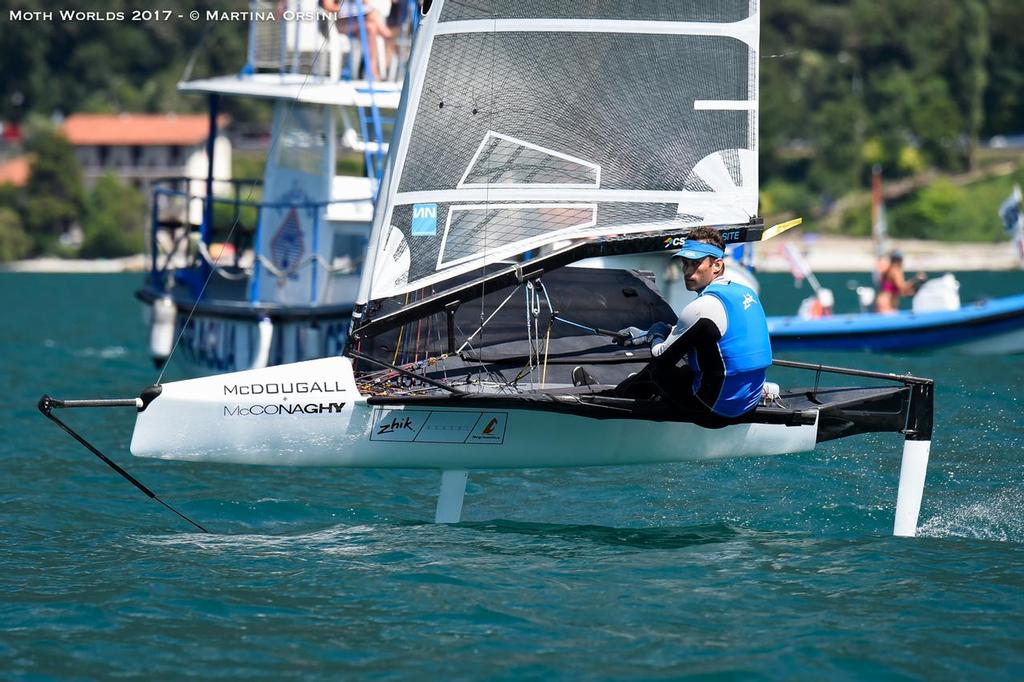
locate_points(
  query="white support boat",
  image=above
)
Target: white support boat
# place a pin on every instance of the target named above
(466, 353)
(266, 272)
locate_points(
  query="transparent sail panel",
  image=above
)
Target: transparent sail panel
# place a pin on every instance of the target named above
(508, 162)
(552, 122)
(519, 226)
(469, 236)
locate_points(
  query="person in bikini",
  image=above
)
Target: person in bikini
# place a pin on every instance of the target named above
(893, 285)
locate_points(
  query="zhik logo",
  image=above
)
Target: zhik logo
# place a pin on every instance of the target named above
(394, 425)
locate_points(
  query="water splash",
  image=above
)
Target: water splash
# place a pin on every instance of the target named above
(107, 353)
(999, 518)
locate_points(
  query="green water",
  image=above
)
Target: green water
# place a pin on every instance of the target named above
(775, 568)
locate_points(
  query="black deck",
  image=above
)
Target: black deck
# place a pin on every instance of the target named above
(840, 411)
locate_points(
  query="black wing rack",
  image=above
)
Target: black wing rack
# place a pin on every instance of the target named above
(518, 273)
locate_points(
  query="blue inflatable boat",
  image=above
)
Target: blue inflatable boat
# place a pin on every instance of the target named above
(982, 328)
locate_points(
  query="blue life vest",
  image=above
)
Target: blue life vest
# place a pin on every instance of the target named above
(745, 348)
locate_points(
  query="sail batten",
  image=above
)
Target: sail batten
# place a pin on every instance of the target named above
(718, 11)
(746, 30)
(531, 123)
(541, 193)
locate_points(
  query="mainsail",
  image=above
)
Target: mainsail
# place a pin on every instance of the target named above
(532, 123)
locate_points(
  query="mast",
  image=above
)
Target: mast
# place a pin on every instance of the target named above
(396, 151)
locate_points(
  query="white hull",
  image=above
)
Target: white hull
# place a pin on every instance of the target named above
(311, 414)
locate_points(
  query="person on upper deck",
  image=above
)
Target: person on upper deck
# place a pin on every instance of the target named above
(348, 24)
(715, 357)
(893, 285)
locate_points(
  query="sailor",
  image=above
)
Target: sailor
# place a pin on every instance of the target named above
(714, 358)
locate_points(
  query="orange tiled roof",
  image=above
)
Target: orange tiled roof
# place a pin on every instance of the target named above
(15, 171)
(138, 129)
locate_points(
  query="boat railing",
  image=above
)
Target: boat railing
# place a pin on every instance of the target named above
(191, 247)
(304, 38)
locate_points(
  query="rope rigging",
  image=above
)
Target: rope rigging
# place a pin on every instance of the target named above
(538, 339)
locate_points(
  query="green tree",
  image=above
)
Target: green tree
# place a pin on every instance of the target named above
(970, 74)
(937, 123)
(10, 196)
(14, 242)
(53, 195)
(837, 160)
(66, 66)
(930, 212)
(1004, 94)
(113, 223)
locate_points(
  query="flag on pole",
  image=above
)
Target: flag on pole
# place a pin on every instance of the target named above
(797, 264)
(1009, 211)
(879, 226)
(1013, 220)
(800, 268)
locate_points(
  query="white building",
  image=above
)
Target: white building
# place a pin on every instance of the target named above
(140, 148)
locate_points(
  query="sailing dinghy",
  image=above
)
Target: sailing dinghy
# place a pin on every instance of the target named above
(533, 136)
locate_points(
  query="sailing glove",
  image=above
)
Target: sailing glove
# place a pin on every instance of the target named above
(634, 336)
(658, 332)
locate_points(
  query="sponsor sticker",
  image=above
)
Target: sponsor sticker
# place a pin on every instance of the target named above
(424, 220)
(728, 236)
(439, 426)
(284, 387)
(490, 428)
(272, 409)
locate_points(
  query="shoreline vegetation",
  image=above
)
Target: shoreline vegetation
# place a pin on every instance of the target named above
(845, 88)
(824, 253)
(49, 264)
